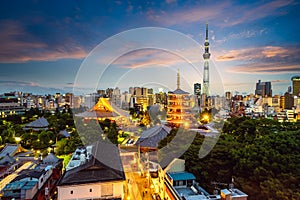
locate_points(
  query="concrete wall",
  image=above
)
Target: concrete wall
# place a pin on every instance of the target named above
(83, 191)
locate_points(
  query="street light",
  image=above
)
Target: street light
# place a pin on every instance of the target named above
(18, 139)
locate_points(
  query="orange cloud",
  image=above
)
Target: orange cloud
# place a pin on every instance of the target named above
(257, 53)
(266, 68)
(271, 51)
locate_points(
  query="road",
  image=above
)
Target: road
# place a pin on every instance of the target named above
(138, 186)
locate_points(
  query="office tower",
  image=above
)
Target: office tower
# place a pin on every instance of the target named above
(296, 85)
(263, 89)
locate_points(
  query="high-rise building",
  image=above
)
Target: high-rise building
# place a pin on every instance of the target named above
(131, 90)
(263, 89)
(125, 99)
(109, 92)
(228, 95)
(206, 57)
(197, 89)
(288, 101)
(197, 93)
(69, 99)
(296, 85)
(289, 90)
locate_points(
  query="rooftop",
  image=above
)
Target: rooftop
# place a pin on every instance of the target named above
(7, 160)
(178, 91)
(29, 173)
(65, 133)
(39, 124)
(16, 185)
(103, 109)
(177, 176)
(237, 193)
(103, 166)
(152, 136)
(10, 149)
(51, 159)
(189, 194)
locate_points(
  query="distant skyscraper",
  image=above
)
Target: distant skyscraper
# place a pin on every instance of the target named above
(206, 57)
(296, 85)
(288, 101)
(289, 89)
(197, 89)
(197, 92)
(263, 89)
(228, 95)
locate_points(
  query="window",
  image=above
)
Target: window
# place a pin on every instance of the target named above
(71, 192)
(91, 190)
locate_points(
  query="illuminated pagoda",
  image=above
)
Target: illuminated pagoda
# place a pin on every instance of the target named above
(179, 106)
(104, 110)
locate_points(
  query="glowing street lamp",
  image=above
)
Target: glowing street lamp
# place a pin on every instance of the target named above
(18, 139)
(206, 117)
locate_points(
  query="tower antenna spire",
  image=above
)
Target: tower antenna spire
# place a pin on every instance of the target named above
(206, 38)
(178, 79)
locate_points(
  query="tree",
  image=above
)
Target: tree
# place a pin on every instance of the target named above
(261, 155)
(112, 133)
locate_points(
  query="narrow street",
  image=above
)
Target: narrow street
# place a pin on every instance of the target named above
(138, 186)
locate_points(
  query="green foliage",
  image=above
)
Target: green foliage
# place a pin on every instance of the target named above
(67, 146)
(261, 155)
(112, 133)
(15, 119)
(66, 158)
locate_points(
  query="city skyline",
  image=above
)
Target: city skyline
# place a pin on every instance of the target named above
(43, 45)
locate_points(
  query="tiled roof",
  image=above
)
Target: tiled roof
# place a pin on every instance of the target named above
(29, 173)
(151, 137)
(100, 114)
(9, 149)
(178, 91)
(105, 165)
(50, 159)
(40, 123)
(7, 159)
(103, 109)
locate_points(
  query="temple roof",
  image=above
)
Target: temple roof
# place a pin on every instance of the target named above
(50, 159)
(103, 109)
(39, 124)
(151, 137)
(178, 91)
(105, 165)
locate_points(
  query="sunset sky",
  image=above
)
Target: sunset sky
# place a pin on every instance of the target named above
(43, 43)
